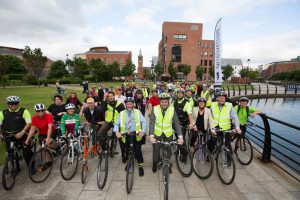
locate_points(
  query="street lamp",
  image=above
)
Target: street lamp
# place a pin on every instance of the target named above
(248, 62)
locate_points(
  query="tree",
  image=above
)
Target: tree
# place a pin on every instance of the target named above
(58, 69)
(186, 70)
(244, 72)
(128, 69)
(16, 65)
(227, 71)
(114, 69)
(199, 71)
(254, 74)
(99, 70)
(35, 61)
(80, 68)
(211, 72)
(172, 70)
(4, 66)
(158, 70)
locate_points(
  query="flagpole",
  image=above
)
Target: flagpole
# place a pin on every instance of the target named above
(218, 53)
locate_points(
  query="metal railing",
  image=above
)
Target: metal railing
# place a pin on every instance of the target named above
(273, 145)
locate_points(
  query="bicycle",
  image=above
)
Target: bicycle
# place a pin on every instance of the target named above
(41, 163)
(69, 160)
(102, 168)
(203, 162)
(224, 161)
(243, 148)
(10, 170)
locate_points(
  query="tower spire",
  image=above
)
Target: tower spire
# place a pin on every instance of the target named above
(140, 54)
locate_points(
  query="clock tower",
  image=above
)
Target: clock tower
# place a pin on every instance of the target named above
(140, 66)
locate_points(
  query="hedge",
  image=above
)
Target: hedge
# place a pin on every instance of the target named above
(16, 76)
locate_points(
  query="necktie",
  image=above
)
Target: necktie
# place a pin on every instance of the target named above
(129, 122)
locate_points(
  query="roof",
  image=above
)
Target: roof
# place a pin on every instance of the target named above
(109, 52)
(231, 61)
(140, 54)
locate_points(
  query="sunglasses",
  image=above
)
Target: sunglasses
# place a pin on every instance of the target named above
(13, 103)
(39, 111)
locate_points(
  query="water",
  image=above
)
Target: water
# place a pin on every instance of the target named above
(287, 110)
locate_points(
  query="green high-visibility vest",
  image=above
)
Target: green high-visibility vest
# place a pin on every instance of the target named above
(163, 124)
(109, 113)
(207, 96)
(221, 118)
(145, 92)
(138, 127)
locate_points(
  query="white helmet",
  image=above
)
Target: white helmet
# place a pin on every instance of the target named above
(70, 106)
(12, 99)
(39, 106)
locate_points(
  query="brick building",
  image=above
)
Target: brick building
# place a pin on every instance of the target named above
(282, 66)
(19, 53)
(182, 43)
(140, 66)
(108, 57)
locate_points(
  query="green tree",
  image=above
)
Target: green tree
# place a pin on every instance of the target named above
(99, 70)
(80, 68)
(211, 72)
(114, 69)
(16, 65)
(186, 70)
(244, 72)
(172, 70)
(58, 69)
(199, 71)
(128, 69)
(35, 61)
(253, 74)
(158, 70)
(147, 74)
(4, 66)
(227, 71)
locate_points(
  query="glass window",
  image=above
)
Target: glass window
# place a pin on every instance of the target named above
(176, 53)
(205, 70)
(201, 63)
(211, 46)
(205, 53)
(179, 37)
(199, 43)
(206, 46)
(205, 62)
(210, 62)
(122, 60)
(210, 54)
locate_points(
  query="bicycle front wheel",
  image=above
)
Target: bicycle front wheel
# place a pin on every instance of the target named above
(203, 163)
(225, 166)
(166, 174)
(69, 164)
(130, 174)
(40, 166)
(84, 170)
(8, 174)
(184, 161)
(244, 150)
(102, 170)
(113, 147)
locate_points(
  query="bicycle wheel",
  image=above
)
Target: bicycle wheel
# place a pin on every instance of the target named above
(225, 166)
(187, 139)
(40, 166)
(166, 181)
(203, 163)
(8, 174)
(102, 170)
(244, 151)
(184, 161)
(69, 164)
(84, 170)
(130, 174)
(113, 147)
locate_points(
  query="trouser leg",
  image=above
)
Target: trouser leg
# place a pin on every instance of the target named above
(155, 157)
(138, 152)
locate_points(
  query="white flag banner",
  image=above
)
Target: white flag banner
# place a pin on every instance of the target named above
(218, 53)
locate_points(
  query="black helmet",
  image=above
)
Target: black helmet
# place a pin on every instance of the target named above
(201, 99)
(129, 99)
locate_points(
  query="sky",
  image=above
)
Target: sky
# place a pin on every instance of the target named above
(260, 30)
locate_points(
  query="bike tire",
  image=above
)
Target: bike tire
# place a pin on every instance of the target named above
(113, 147)
(72, 172)
(40, 166)
(102, 170)
(8, 172)
(224, 156)
(84, 170)
(184, 161)
(202, 158)
(187, 139)
(166, 174)
(130, 174)
(244, 145)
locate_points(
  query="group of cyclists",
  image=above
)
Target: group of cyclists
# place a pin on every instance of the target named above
(173, 109)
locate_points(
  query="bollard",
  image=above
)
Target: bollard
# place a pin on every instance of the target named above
(296, 90)
(267, 89)
(233, 90)
(275, 89)
(285, 89)
(228, 91)
(252, 89)
(245, 89)
(259, 90)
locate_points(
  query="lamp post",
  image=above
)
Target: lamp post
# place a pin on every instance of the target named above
(248, 62)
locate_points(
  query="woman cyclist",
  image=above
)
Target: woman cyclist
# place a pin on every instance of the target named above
(70, 121)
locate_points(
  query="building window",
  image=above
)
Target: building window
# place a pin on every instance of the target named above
(201, 53)
(179, 37)
(176, 53)
(201, 63)
(210, 63)
(210, 54)
(205, 53)
(199, 43)
(122, 60)
(180, 76)
(206, 46)
(115, 60)
(211, 46)
(180, 68)
(205, 70)
(205, 62)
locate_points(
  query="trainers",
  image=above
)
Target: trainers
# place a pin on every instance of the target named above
(154, 168)
(141, 171)
(123, 158)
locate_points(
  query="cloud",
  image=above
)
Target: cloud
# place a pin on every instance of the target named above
(264, 50)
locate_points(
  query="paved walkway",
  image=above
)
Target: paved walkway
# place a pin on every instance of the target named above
(256, 181)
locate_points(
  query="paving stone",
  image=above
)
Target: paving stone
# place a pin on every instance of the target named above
(258, 196)
(195, 187)
(144, 193)
(65, 191)
(278, 191)
(88, 195)
(246, 183)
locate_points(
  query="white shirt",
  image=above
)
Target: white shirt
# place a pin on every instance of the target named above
(120, 98)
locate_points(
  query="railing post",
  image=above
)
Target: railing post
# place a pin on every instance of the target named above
(252, 89)
(245, 89)
(275, 89)
(285, 89)
(228, 89)
(239, 90)
(259, 90)
(233, 90)
(266, 154)
(295, 89)
(267, 89)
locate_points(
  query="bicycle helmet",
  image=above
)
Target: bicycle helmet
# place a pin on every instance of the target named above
(70, 106)
(188, 89)
(243, 99)
(13, 99)
(222, 93)
(129, 99)
(180, 90)
(163, 96)
(39, 107)
(201, 99)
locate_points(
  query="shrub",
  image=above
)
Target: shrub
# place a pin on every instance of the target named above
(16, 76)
